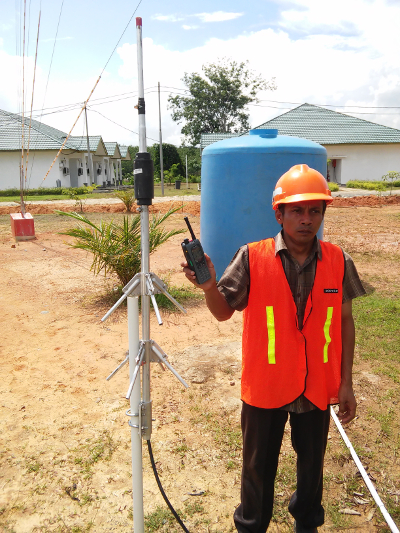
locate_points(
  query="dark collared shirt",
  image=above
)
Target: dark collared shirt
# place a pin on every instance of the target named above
(235, 287)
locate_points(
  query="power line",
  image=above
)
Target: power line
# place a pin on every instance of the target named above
(52, 54)
(122, 34)
(91, 92)
(120, 125)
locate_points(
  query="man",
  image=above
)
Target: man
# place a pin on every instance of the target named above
(298, 343)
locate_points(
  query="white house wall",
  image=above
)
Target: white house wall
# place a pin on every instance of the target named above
(365, 162)
(38, 164)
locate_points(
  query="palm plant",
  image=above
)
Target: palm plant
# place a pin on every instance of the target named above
(128, 197)
(116, 247)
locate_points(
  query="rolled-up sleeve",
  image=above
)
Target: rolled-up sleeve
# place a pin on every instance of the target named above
(352, 286)
(234, 284)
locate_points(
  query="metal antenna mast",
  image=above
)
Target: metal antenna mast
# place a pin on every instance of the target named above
(146, 284)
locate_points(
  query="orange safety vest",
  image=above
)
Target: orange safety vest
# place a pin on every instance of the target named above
(280, 361)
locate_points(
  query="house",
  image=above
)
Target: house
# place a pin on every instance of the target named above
(71, 169)
(357, 149)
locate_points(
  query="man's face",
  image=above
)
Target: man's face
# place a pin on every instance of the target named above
(301, 220)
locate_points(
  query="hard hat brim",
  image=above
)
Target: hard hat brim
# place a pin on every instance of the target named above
(303, 198)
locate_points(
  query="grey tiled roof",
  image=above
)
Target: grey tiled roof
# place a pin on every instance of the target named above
(42, 137)
(80, 143)
(210, 138)
(325, 126)
(124, 152)
(113, 150)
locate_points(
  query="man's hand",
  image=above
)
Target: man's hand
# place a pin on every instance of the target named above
(347, 403)
(216, 303)
(191, 276)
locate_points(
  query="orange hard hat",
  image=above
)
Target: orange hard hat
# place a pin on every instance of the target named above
(301, 183)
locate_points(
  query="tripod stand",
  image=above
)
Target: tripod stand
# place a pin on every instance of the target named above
(145, 285)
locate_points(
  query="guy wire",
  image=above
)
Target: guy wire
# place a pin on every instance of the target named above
(91, 92)
(33, 91)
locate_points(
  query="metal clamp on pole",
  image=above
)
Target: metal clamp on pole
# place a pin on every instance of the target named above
(127, 290)
(139, 362)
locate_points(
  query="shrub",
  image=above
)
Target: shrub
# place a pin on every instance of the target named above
(32, 192)
(368, 185)
(128, 197)
(116, 247)
(333, 187)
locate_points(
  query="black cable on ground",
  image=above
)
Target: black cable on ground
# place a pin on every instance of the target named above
(162, 490)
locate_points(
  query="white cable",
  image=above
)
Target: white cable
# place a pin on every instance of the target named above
(364, 474)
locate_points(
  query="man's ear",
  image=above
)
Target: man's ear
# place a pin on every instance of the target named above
(279, 216)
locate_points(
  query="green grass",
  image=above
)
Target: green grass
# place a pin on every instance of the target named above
(181, 294)
(377, 318)
(89, 454)
(163, 520)
(169, 190)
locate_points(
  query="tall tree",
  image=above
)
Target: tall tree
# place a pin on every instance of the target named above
(217, 102)
(170, 157)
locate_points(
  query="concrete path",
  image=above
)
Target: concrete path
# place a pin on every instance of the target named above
(343, 192)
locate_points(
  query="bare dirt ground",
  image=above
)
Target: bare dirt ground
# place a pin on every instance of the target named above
(65, 463)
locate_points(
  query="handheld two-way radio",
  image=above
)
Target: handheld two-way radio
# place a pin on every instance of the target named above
(194, 256)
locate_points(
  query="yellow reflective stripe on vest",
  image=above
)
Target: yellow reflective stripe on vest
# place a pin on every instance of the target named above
(271, 334)
(327, 326)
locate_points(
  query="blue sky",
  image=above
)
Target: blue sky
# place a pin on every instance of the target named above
(338, 53)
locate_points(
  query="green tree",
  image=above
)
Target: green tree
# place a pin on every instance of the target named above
(216, 103)
(390, 178)
(173, 174)
(170, 157)
(127, 166)
(193, 159)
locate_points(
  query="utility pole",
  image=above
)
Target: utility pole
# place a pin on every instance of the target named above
(90, 162)
(161, 150)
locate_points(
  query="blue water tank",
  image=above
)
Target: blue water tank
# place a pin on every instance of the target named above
(238, 176)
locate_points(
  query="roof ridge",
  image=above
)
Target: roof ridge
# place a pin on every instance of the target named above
(333, 113)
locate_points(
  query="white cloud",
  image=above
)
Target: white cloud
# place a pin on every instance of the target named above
(1, 41)
(167, 18)
(186, 27)
(217, 16)
(315, 66)
(51, 39)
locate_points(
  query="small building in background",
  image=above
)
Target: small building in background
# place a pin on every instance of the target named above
(357, 149)
(72, 166)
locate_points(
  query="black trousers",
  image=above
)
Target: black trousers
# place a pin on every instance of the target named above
(262, 431)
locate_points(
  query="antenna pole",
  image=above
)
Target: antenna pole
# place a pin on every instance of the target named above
(144, 284)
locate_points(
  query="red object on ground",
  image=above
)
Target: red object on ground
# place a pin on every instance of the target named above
(22, 228)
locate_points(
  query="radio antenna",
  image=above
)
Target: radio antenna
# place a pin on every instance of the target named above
(190, 228)
(142, 351)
